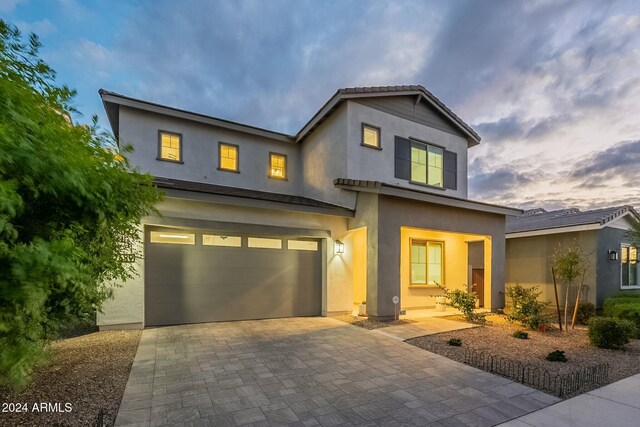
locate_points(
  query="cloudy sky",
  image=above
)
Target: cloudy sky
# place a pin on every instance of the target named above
(552, 86)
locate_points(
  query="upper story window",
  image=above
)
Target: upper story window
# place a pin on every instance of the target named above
(426, 164)
(277, 166)
(370, 136)
(228, 157)
(169, 146)
(629, 264)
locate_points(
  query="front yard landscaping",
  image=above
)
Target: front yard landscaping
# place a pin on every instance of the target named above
(89, 371)
(496, 338)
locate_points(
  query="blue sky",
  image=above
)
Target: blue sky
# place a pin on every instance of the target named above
(552, 86)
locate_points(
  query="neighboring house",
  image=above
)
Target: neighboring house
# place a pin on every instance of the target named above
(613, 260)
(366, 202)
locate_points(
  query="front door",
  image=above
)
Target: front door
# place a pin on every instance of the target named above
(477, 280)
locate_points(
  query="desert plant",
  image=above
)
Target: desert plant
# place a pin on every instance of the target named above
(586, 311)
(456, 342)
(463, 301)
(569, 262)
(609, 332)
(521, 335)
(525, 307)
(556, 356)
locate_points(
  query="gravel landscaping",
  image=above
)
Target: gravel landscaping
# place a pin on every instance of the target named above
(90, 372)
(365, 323)
(496, 338)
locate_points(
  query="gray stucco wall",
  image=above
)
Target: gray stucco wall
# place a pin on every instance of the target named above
(608, 272)
(528, 262)
(378, 165)
(395, 213)
(200, 152)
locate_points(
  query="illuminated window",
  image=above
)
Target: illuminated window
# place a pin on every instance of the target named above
(302, 245)
(227, 241)
(370, 136)
(174, 238)
(426, 263)
(277, 166)
(228, 157)
(629, 266)
(261, 242)
(426, 164)
(170, 146)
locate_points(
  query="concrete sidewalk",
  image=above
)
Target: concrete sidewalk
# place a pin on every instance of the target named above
(617, 404)
(423, 326)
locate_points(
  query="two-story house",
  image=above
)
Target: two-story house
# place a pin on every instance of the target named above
(368, 201)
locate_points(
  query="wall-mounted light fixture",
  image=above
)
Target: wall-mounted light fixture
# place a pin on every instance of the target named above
(339, 247)
(613, 255)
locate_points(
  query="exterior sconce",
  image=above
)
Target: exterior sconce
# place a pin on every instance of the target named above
(339, 247)
(613, 255)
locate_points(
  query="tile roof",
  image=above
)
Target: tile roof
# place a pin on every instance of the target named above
(201, 187)
(539, 219)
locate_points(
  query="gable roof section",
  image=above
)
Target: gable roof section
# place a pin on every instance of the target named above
(421, 196)
(419, 91)
(565, 220)
(112, 102)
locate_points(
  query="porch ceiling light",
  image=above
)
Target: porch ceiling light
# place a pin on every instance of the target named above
(339, 246)
(613, 255)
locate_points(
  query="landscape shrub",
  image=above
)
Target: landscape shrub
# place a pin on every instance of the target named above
(456, 342)
(521, 335)
(609, 332)
(525, 307)
(556, 356)
(586, 311)
(626, 311)
(465, 302)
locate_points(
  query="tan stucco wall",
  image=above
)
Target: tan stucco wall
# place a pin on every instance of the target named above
(127, 306)
(528, 262)
(456, 266)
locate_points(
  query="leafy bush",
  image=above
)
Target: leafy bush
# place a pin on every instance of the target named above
(556, 356)
(456, 342)
(609, 332)
(521, 335)
(626, 311)
(586, 311)
(525, 307)
(465, 302)
(70, 209)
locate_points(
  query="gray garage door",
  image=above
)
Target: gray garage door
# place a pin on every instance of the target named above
(193, 277)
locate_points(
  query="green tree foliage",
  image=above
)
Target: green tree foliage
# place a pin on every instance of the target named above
(634, 231)
(69, 209)
(525, 307)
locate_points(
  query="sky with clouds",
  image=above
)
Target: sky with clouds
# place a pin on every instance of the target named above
(552, 86)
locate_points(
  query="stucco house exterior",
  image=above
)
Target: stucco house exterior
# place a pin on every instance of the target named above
(602, 233)
(366, 202)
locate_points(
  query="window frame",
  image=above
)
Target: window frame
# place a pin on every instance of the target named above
(442, 264)
(424, 145)
(180, 139)
(237, 147)
(286, 166)
(622, 286)
(378, 131)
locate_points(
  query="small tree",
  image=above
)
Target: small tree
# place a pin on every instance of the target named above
(634, 231)
(569, 262)
(70, 208)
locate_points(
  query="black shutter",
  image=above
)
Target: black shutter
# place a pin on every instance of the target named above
(450, 170)
(403, 158)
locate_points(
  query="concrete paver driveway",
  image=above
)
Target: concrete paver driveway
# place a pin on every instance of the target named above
(308, 372)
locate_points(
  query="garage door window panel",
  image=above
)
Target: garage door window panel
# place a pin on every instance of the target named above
(302, 245)
(174, 238)
(264, 243)
(221, 240)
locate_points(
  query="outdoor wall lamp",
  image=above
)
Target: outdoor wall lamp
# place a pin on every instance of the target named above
(339, 246)
(613, 255)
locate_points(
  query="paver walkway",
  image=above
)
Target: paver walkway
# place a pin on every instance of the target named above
(617, 404)
(422, 327)
(308, 372)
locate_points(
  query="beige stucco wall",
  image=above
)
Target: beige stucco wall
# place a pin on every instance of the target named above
(528, 262)
(127, 306)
